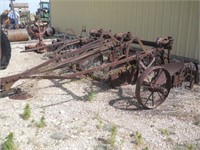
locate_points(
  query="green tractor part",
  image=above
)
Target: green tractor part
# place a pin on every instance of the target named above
(44, 12)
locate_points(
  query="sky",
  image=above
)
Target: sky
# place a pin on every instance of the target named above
(33, 4)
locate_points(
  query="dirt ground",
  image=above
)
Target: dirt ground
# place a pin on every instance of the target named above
(64, 117)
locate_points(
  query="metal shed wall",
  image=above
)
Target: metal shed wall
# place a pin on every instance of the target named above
(147, 19)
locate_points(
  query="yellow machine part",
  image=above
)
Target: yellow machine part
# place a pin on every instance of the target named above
(18, 35)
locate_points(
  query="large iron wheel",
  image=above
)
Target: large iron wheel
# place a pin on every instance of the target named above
(153, 87)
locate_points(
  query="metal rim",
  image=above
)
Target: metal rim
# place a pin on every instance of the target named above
(153, 87)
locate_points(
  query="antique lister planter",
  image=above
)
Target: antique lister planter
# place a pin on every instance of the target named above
(120, 58)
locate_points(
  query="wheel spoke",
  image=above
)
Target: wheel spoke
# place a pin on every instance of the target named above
(146, 86)
(145, 83)
(148, 98)
(148, 79)
(152, 99)
(161, 97)
(160, 72)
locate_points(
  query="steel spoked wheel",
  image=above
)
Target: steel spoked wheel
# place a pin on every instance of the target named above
(153, 87)
(192, 73)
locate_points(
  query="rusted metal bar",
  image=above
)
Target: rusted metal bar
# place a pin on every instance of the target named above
(41, 47)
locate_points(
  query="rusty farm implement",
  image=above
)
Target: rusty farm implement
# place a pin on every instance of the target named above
(120, 59)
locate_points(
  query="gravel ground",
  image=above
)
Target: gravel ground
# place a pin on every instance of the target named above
(108, 120)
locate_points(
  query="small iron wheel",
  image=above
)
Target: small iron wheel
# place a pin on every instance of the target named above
(153, 87)
(192, 73)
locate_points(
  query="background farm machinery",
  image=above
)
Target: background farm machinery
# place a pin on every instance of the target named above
(41, 27)
(26, 25)
(119, 59)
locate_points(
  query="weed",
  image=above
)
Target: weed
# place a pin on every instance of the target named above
(186, 146)
(9, 144)
(190, 147)
(91, 95)
(138, 138)
(146, 148)
(100, 122)
(164, 131)
(27, 112)
(2, 116)
(197, 123)
(41, 123)
(167, 133)
(122, 141)
(168, 139)
(112, 138)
